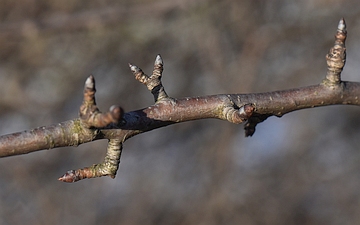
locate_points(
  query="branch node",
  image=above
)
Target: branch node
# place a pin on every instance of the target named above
(239, 115)
(336, 58)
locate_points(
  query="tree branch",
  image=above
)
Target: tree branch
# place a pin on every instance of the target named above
(118, 126)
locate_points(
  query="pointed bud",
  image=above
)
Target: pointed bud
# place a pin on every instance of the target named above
(134, 68)
(158, 60)
(342, 25)
(90, 82)
(69, 177)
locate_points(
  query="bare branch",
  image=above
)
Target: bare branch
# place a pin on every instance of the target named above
(118, 126)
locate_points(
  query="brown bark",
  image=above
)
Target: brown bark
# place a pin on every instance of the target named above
(118, 126)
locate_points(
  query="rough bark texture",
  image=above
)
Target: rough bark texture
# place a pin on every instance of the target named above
(302, 168)
(236, 108)
(166, 112)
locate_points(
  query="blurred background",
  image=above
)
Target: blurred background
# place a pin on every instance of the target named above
(303, 168)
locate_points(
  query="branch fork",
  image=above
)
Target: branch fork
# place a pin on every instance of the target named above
(92, 118)
(117, 126)
(90, 115)
(153, 82)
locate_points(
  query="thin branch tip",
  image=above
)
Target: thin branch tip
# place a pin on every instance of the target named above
(336, 58)
(109, 167)
(69, 177)
(130, 66)
(90, 82)
(342, 25)
(159, 60)
(134, 68)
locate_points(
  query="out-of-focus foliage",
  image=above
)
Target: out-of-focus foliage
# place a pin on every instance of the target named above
(300, 169)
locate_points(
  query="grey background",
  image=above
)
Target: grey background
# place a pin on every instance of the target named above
(299, 169)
